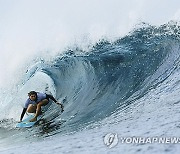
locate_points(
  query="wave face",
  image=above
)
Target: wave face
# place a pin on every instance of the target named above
(111, 76)
(107, 79)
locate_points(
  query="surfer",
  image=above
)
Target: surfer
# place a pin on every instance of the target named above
(35, 101)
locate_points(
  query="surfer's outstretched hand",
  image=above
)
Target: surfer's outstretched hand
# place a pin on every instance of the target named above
(62, 107)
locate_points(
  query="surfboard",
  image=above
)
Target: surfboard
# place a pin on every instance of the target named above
(27, 124)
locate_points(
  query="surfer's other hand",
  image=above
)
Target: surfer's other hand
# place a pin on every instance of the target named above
(62, 107)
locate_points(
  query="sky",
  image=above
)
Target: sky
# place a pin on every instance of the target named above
(30, 28)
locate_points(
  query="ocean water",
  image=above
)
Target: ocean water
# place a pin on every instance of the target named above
(124, 88)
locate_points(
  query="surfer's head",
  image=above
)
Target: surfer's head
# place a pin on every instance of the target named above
(32, 95)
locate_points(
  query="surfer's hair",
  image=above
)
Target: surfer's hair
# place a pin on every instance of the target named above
(32, 93)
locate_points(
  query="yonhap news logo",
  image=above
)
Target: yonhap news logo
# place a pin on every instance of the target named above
(112, 139)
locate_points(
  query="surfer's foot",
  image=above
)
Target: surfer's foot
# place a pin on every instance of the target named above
(33, 119)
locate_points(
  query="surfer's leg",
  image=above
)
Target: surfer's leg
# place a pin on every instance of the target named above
(38, 109)
(42, 103)
(31, 108)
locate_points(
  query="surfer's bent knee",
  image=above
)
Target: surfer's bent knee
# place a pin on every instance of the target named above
(31, 108)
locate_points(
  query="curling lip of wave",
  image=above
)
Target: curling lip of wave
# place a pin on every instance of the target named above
(111, 76)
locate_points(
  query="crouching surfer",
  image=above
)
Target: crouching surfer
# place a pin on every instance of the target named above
(35, 101)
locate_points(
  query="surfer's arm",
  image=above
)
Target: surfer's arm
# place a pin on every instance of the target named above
(52, 98)
(22, 114)
(25, 108)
